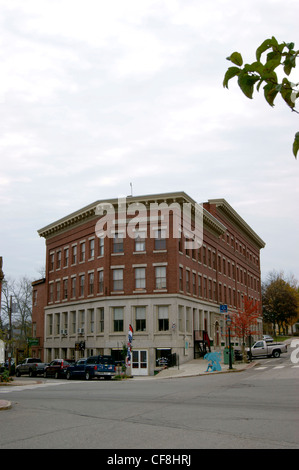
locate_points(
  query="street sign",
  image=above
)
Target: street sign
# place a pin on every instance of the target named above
(223, 308)
(33, 341)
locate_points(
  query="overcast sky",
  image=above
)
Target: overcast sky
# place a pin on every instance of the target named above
(97, 94)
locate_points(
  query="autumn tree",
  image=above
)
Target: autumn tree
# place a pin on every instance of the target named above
(280, 59)
(245, 321)
(280, 301)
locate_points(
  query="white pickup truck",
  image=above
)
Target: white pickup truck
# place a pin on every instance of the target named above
(262, 348)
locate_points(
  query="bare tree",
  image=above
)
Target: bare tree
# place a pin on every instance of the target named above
(18, 295)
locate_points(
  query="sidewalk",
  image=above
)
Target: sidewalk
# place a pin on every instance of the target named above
(198, 367)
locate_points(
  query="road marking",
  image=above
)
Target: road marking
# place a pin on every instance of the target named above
(278, 367)
(20, 388)
(261, 368)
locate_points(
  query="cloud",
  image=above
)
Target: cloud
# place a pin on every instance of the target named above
(97, 95)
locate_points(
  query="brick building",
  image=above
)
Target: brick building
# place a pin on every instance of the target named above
(97, 285)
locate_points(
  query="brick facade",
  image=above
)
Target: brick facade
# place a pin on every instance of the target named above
(96, 287)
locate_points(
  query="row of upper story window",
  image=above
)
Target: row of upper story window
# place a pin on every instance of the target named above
(95, 247)
(192, 283)
(87, 251)
(239, 247)
(90, 284)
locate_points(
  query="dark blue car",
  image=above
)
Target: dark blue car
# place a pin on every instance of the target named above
(77, 370)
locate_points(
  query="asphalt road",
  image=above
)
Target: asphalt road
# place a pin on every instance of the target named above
(253, 409)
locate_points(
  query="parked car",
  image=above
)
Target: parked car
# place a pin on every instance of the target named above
(31, 366)
(97, 366)
(57, 368)
(100, 366)
(76, 370)
(268, 338)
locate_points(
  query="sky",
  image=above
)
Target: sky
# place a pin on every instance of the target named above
(97, 95)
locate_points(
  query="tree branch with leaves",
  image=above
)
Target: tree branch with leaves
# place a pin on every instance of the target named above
(253, 75)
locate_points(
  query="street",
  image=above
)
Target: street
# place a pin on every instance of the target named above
(253, 409)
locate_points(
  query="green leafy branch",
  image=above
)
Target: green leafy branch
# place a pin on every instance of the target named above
(254, 75)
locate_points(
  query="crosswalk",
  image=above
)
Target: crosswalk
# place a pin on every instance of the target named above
(276, 367)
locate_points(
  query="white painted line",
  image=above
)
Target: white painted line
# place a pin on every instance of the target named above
(260, 368)
(278, 367)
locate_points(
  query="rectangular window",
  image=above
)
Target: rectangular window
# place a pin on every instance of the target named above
(82, 281)
(58, 290)
(66, 257)
(58, 259)
(205, 287)
(118, 319)
(90, 314)
(73, 287)
(163, 320)
(91, 249)
(73, 322)
(140, 241)
(50, 324)
(82, 252)
(90, 283)
(65, 288)
(210, 289)
(181, 287)
(194, 283)
(101, 319)
(101, 282)
(188, 319)
(181, 318)
(199, 286)
(160, 239)
(57, 322)
(139, 278)
(118, 279)
(187, 280)
(140, 319)
(204, 255)
(51, 263)
(101, 246)
(74, 254)
(51, 292)
(118, 243)
(160, 276)
(82, 320)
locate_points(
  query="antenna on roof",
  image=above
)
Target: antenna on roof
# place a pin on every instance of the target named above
(131, 189)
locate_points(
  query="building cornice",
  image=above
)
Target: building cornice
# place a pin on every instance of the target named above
(234, 217)
(89, 212)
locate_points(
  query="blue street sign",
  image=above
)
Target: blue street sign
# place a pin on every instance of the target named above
(223, 308)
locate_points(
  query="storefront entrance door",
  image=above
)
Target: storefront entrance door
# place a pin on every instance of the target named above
(139, 362)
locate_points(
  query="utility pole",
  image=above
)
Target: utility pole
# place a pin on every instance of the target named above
(10, 335)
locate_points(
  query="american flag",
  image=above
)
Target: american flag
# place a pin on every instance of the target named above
(130, 339)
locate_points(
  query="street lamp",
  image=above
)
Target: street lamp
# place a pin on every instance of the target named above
(228, 324)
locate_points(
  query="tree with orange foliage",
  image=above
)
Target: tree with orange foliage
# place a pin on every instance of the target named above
(244, 322)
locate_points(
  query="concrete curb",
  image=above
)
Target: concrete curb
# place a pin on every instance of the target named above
(206, 374)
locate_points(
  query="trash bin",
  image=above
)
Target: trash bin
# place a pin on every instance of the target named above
(226, 355)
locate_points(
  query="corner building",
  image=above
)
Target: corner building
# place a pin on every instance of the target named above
(97, 285)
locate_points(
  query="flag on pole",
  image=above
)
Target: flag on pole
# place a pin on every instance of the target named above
(130, 339)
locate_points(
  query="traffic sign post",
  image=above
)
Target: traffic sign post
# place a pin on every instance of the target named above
(223, 308)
